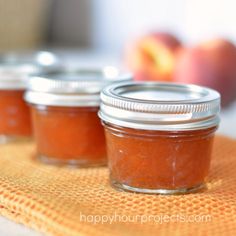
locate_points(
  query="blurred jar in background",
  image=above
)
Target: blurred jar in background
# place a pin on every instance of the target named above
(15, 69)
(64, 106)
(14, 112)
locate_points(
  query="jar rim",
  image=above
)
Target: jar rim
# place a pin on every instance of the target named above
(160, 106)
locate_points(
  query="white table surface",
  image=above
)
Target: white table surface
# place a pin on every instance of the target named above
(227, 127)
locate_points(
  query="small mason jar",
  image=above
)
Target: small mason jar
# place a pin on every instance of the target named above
(64, 106)
(15, 69)
(15, 121)
(159, 135)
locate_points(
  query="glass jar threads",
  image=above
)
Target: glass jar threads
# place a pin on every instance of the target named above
(64, 106)
(159, 135)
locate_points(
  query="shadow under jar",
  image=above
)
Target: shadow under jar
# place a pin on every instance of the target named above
(64, 106)
(159, 135)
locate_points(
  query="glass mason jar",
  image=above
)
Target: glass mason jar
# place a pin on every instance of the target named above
(64, 106)
(15, 68)
(14, 113)
(159, 135)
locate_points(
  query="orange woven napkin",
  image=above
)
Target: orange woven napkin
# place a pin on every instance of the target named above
(61, 201)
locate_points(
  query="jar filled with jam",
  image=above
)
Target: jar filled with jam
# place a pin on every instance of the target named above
(14, 113)
(15, 69)
(159, 135)
(64, 106)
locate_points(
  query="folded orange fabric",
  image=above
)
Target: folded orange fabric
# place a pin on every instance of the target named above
(61, 201)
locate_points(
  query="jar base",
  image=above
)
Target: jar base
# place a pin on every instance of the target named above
(71, 163)
(127, 188)
(4, 139)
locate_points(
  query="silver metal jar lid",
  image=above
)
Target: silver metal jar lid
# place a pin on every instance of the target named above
(39, 58)
(160, 106)
(15, 68)
(72, 87)
(15, 76)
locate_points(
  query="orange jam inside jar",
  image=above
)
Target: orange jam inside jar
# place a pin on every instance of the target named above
(64, 106)
(159, 135)
(15, 121)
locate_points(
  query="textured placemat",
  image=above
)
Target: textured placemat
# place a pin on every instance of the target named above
(60, 201)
